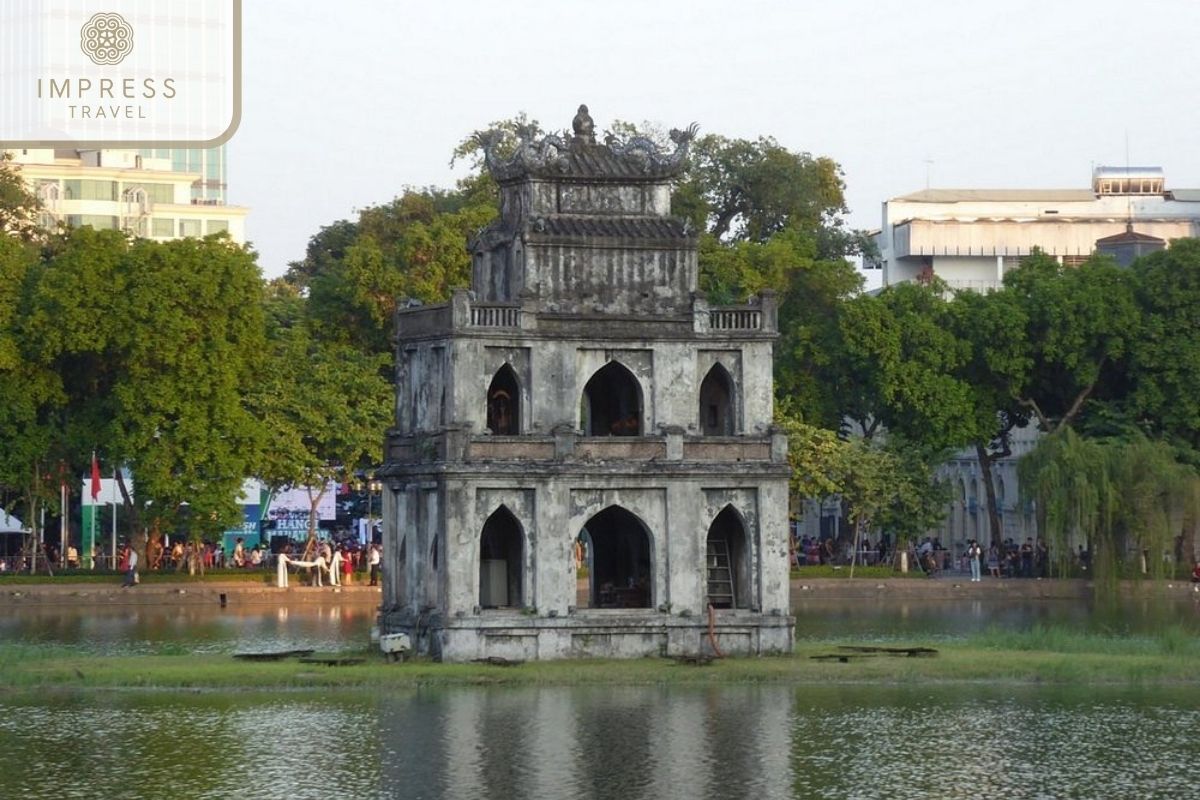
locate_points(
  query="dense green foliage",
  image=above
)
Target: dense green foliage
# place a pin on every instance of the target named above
(175, 361)
(178, 361)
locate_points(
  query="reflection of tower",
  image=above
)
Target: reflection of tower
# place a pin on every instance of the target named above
(584, 385)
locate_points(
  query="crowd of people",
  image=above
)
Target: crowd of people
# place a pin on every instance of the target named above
(1007, 559)
(813, 551)
(340, 559)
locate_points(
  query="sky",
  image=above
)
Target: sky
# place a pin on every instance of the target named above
(345, 104)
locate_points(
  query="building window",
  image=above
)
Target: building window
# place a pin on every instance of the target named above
(189, 227)
(716, 403)
(504, 403)
(97, 221)
(157, 192)
(218, 225)
(163, 227)
(90, 190)
(612, 403)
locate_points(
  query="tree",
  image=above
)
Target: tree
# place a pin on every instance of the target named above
(881, 484)
(993, 325)
(19, 209)
(741, 190)
(1164, 391)
(154, 344)
(1081, 323)
(30, 394)
(1121, 497)
(413, 247)
(324, 409)
(903, 345)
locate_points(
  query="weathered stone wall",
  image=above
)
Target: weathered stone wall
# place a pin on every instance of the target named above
(552, 374)
(677, 512)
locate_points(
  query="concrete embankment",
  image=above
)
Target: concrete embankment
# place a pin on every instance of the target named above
(240, 593)
(954, 588)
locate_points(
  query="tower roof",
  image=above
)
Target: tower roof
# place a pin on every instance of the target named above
(580, 157)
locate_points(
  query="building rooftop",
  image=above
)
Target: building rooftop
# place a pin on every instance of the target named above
(998, 196)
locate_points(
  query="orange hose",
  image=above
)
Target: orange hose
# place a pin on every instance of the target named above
(712, 631)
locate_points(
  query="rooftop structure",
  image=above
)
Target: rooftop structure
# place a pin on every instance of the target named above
(970, 237)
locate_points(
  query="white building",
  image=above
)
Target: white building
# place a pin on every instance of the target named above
(156, 194)
(970, 237)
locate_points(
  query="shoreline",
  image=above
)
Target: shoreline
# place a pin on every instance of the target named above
(58, 591)
(182, 592)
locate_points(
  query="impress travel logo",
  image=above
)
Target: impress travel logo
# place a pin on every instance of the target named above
(132, 73)
(106, 39)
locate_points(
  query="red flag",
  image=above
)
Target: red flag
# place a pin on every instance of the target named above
(95, 477)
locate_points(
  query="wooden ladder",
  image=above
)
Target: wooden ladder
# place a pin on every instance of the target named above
(720, 575)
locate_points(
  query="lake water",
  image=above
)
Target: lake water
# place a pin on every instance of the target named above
(618, 742)
(132, 630)
(729, 741)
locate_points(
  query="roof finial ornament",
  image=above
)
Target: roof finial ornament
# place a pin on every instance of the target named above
(584, 128)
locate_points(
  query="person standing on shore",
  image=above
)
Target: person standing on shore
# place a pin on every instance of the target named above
(131, 562)
(974, 553)
(373, 559)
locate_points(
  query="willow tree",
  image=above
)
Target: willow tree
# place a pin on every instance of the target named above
(1125, 500)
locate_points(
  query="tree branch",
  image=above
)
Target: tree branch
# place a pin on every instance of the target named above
(1080, 399)
(1031, 404)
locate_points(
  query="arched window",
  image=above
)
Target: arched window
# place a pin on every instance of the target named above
(501, 561)
(727, 562)
(612, 403)
(620, 571)
(716, 403)
(504, 403)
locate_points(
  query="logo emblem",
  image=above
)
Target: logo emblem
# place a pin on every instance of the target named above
(106, 39)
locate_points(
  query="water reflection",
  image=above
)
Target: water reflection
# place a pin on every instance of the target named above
(142, 629)
(642, 742)
(892, 618)
(588, 743)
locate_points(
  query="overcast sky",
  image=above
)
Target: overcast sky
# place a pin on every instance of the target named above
(346, 103)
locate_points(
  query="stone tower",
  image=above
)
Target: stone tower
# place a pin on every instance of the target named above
(583, 403)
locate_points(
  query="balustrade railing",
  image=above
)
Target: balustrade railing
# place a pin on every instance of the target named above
(740, 319)
(488, 316)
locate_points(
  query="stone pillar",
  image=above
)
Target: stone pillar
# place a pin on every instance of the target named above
(674, 437)
(564, 440)
(770, 311)
(700, 318)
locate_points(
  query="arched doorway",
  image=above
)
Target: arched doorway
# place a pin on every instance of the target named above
(727, 561)
(621, 573)
(612, 403)
(504, 403)
(501, 561)
(716, 402)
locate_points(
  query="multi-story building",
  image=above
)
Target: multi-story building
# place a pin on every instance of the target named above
(584, 404)
(970, 237)
(156, 194)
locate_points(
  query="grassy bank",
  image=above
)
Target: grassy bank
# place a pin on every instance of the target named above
(1042, 655)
